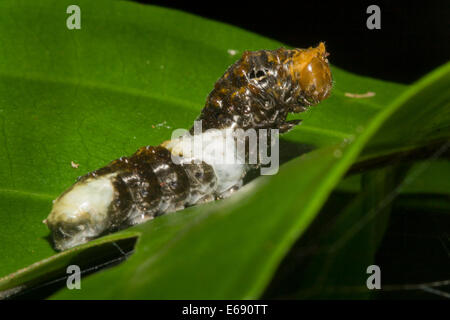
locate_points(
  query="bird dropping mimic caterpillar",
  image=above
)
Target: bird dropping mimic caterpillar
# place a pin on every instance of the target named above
(258, 91)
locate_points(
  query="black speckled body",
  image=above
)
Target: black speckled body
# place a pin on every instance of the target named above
(260, 89)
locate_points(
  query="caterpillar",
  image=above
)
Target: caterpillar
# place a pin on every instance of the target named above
(256, 92)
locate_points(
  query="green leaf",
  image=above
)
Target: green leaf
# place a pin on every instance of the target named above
(248, 261)
(427, 177)
(92, 97)
(129, 77)
(225, 251)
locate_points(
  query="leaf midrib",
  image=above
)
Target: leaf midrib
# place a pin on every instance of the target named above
(27, 194)
(103, 86)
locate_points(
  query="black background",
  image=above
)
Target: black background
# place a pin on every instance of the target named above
(414, 36)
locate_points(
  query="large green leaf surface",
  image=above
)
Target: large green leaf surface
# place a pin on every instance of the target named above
(130, 76)
(247, 261)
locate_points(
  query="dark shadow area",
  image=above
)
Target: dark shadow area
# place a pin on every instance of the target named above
(284, 284)
(91, 260)
(415, 250)
(438, 149)
(288, 150)
(412, 41)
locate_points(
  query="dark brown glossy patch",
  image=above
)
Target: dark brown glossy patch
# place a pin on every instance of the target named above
(261, 88)
(149, 182)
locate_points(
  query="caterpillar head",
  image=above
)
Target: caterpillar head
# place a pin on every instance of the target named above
(309, 70)
(291, 79)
